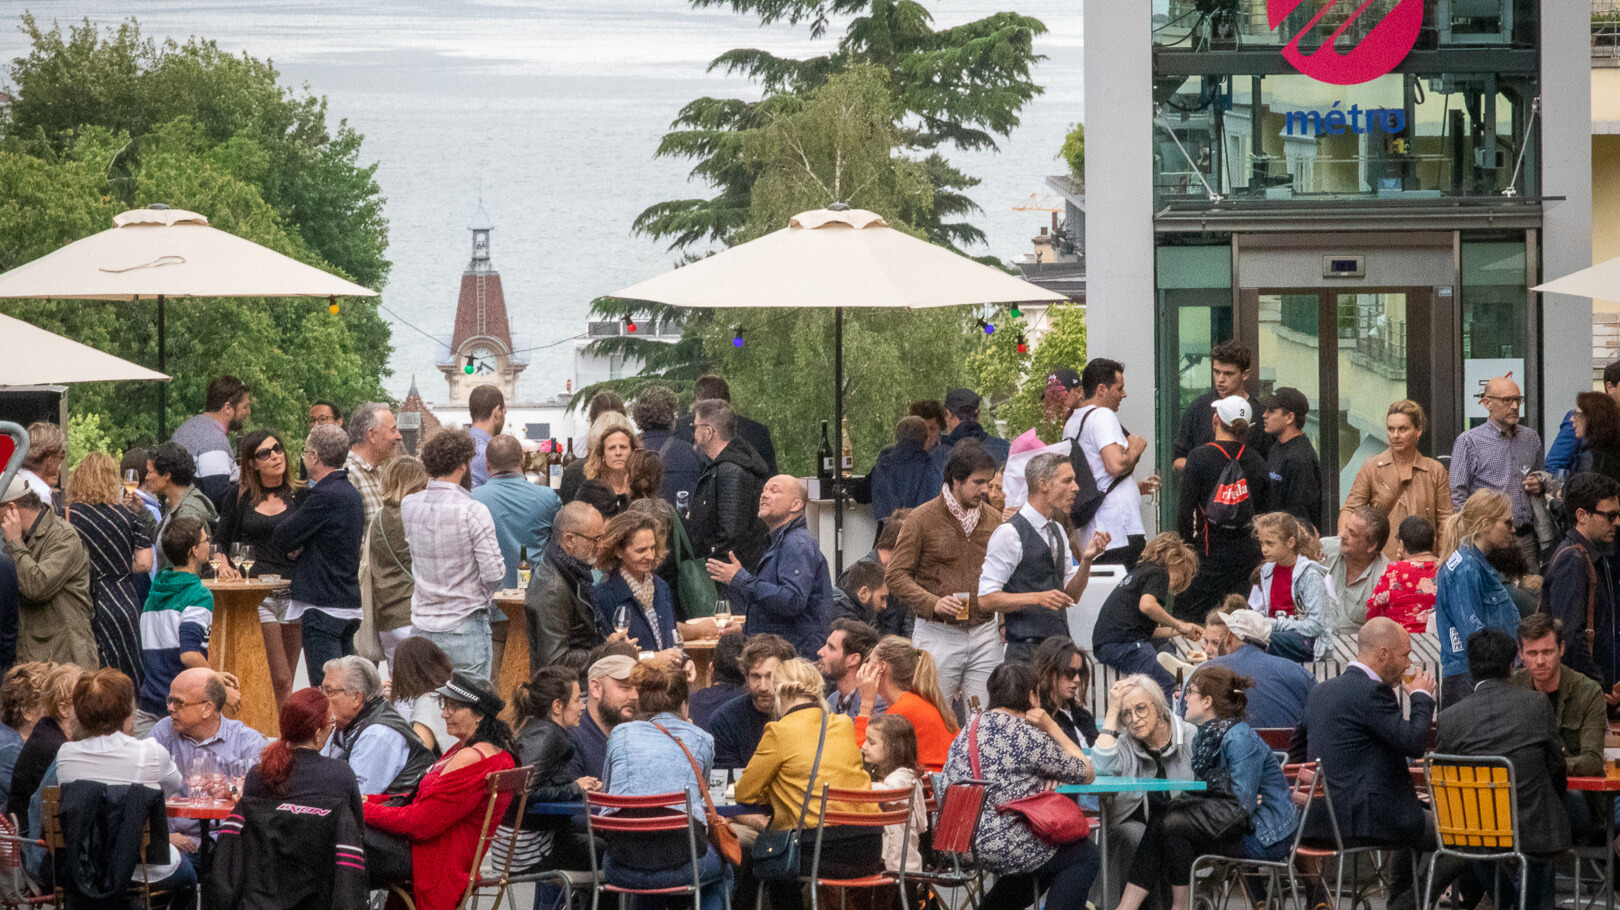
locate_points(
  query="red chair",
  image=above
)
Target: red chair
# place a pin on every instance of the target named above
(19, 891)
(679, 817)
(954, 831)
(881, 818)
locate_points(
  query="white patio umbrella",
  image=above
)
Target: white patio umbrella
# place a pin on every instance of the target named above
(834, 258)
(1601, 281)
(162, 252)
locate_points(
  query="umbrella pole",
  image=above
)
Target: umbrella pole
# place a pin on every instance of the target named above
(163, 387)
(838, 433)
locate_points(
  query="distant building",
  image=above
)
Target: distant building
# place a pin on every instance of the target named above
(417, 424)
(483, 335)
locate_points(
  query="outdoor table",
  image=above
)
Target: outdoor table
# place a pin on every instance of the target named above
(204, 813)
(514, 668)
(726, 807)
(1609, 786)
(236, 645)
(1107, 785)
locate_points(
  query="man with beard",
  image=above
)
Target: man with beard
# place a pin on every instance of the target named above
(374, 438)
(611, 701)
(738, 724)
(226, 407)
(840, 659)
(486, 408)
(935, 570)
(1027, 572)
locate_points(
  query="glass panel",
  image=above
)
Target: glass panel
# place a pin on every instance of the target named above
(1215, 25)
(1194, 276)
(1289, 352)
(1372, 374)
(1494, 309)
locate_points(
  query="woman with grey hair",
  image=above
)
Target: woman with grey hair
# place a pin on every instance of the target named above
(1139, 737)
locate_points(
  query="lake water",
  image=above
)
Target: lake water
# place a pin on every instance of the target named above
(553, 111)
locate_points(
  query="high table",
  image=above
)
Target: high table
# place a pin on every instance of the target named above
(236, 645)
(1107, 785)
(514, 667)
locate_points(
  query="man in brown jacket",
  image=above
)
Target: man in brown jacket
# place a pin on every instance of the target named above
(53, 577)
(935, 573)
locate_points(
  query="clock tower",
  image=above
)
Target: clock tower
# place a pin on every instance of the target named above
(481, 347)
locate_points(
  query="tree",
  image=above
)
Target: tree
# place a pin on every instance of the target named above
(1074, 151)
(1014, 383)
(103, 123)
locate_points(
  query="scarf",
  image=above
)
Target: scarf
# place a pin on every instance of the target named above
(574, 571)
(969, 519)
(643, 592)
(1206, 754)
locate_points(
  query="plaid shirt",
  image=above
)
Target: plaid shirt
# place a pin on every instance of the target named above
(455, 555)
(368, 480)
(1486, 458)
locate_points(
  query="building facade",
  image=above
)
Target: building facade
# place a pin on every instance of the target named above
(481, 350)
(1365, 201)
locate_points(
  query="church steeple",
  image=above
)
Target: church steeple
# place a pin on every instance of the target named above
(482, 335)
(480, 227)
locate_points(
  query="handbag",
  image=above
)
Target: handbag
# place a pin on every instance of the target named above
(1053, 818)
(695, 592)
(721, 837)
(775, 853)
(1211, 814)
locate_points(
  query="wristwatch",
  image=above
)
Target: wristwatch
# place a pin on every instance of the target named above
(1107, 732)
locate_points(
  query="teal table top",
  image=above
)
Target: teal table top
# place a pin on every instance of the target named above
(1132, 785)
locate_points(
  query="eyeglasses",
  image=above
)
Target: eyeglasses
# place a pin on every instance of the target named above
(1140, 712)
(1070, 673)
(330, 691)
(1514, 400)
(274, 448)
(175, 703)
(586, 536)
(1611, 516)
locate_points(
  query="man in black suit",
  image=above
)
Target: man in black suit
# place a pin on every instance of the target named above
(1353, 724)
(756, 434)
(1519, 725)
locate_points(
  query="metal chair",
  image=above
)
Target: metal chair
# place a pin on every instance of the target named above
(1230, 871)
(953, 861)
(1476, 812)
(1339, 853)
(679, 819)
(879, 819)
(512, 783)
(20, 891)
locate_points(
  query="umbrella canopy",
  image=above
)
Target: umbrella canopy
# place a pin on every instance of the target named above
(34, 356)
(173, 253)
(1601, 281)
(831, 258)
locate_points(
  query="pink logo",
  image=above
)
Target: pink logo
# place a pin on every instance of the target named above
(1384, 47)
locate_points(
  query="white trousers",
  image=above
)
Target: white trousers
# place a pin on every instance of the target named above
(964, 656)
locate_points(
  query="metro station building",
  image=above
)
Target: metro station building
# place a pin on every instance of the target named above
(1364, 200)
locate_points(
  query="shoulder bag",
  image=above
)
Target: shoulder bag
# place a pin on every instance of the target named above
(1052, 817)
(1211, 814)
(695, 593)
(721, 837)
(775, 853)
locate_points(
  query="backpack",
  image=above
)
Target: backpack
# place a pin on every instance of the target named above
(1229, 505)
(1089, 499)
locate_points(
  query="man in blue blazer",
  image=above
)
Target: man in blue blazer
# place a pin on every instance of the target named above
(1353, 724)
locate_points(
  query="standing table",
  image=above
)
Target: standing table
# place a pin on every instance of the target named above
(1106, 785)
(236, 645)
(514, 668)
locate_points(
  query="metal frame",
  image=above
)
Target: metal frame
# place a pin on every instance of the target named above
(682, 802)
(970, 879)
(1475, 763)
(1340, 852)
(1227, 869)
(499, 782)
(879, 819)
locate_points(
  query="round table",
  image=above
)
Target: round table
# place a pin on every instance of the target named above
(514, 667)
(236, 645)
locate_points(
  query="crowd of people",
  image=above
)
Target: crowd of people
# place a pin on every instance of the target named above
(944, 655)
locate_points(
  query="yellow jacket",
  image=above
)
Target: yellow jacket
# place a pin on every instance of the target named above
(780, 769)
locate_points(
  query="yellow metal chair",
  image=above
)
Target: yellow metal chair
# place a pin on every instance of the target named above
(1476, 812)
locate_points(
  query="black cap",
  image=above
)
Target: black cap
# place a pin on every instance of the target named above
(474, 691)
(962, 402)
(1065, 377)
(1288, 399)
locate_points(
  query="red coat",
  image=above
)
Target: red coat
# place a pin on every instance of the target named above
(442, 824)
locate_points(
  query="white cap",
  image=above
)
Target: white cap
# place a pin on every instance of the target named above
(1233, 408)
(1250, 626)
(15, 491)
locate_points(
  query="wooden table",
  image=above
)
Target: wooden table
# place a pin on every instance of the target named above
(236, 645)
(514, 667)
(701, 651)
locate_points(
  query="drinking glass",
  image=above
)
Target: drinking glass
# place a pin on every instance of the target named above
(197, 779)
(216, 557)
(961, 598)
(132, 480)
(722, 615)
(245, 559)
(621, 618)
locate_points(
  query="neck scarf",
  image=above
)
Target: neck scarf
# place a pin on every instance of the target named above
(643, 592)
(1206, 754)
(969, 519)
(575, 571)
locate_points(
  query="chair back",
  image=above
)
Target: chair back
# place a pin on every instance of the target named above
(1476, 803)
(513, 784)
(679, 818)
(1276, 738)
(877, 819)
(51, 833)
(959, 813)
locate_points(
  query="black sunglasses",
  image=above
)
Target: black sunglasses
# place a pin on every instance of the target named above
(275, 448)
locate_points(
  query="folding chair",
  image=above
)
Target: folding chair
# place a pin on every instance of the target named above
(955, 831)
(51, 828)
(1476, 813)
(1229, 871)
(1339, 853)
(514, 785)
(678, 818)
(878, 819)
(19, 891)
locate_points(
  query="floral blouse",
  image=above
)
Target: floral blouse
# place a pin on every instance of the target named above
(1405, 593)
(1017, 760)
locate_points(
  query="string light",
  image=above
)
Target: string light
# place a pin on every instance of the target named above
(988, 328)
(629, 325)
(736, 336)
(1023, 346)
(468, 368)
(1015, 312)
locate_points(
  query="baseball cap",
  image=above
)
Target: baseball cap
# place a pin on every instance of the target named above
(614, 666)
(1288, 399)
(16, 491)
(1250, 626)
(1066, 377)
(471, 689)
(1233, 408)
(959, 400)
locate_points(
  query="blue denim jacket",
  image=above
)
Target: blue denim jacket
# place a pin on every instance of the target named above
(1565, 447)
(1469, 596)
(1314, 610)
(1257, 776)
(642, 761)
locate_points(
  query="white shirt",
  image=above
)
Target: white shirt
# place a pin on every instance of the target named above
(455, 555)
(1006, 550)
(1121, 512)
(118, 758)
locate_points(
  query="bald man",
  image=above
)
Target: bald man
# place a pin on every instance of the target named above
(791, 593)
(1504, 456)
(1353, 724)
(197, 725)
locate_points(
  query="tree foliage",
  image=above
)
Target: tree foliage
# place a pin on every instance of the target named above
(104, 121)
(1074, 151)
(1015, 384)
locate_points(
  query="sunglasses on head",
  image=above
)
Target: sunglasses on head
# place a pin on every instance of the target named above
(274, 448)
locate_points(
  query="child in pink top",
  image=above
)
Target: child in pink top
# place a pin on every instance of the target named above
(1405, 593)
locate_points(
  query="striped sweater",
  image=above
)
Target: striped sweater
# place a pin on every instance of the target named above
(177, 618)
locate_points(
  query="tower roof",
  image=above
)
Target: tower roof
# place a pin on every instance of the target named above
(480, 220)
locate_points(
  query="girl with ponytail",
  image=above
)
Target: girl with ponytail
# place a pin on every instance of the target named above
(907, 680)
(292, 768)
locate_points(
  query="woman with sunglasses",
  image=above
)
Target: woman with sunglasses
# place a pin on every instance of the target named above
(266, 496)
(1065, 681)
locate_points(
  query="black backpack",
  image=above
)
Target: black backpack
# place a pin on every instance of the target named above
(1229, 505)
(1089, 499)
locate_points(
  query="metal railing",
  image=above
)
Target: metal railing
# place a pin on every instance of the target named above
(1606, 28)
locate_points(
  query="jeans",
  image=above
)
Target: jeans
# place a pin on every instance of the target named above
(1065, 878)
(964, 655)
(711, 874)
(1138, 657)
(183, 882)
(467, 644)
(1292, 645)
(326, 638)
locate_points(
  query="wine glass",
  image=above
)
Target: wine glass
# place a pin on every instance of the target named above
(132, 480)
(245, 559)
(216, 557)
(197, 778)
(621, 619)
(722, 614)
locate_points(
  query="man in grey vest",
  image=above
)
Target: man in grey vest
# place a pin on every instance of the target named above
(1028, 573)
(385, 753)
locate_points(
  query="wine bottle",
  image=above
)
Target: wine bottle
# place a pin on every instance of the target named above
(824, 456)
(523, 568)
(848, 459)
(554, 466)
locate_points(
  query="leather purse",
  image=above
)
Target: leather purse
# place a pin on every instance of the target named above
(1052, 817)
(775, 853)
(1211, 814)
(721, 837)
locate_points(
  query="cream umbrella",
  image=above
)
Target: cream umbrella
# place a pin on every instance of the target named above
(834, 258)
(1601, 281)
(162, 252)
